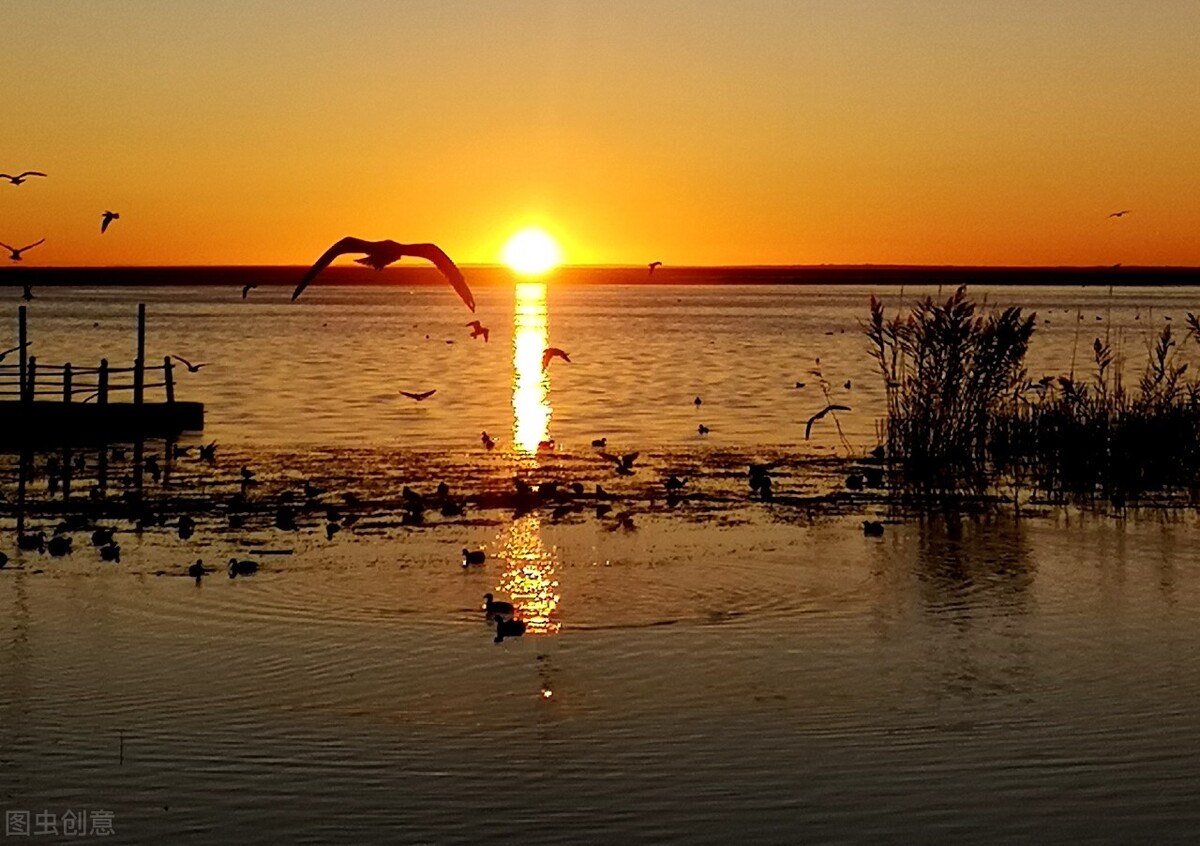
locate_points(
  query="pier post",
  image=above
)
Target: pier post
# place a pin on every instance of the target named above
(22, 339)
(67, 382)
(169, 379)
(102, 383)
(139, 366)
(31, 379)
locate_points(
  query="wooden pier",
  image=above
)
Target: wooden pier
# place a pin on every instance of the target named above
(39, 402)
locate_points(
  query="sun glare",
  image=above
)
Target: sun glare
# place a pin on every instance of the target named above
(532, 252)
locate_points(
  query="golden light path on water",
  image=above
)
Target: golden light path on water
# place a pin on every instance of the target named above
(530, 579)
(531, 407)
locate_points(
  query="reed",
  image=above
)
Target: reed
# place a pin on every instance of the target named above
(963, 414)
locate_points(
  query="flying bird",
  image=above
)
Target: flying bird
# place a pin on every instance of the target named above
(192, 368)
(808, 426)
(16, 253)
(20, 177)
(652, 266)
(109, 217)
(4, 353)
(421, 397)
(624, 463)
(1121, 213)
(478, 329)
(246, 289)
(550, 353)
(379, 254)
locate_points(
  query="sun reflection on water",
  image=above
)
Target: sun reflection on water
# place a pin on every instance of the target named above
(530, 580)
(531, 406)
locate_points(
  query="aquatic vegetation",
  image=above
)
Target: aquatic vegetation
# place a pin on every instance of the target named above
(963, 414)
(950, 374)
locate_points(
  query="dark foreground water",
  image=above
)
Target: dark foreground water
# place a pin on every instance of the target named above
(726, 669)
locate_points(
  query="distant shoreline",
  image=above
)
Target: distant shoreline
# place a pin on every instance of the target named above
(484, 275)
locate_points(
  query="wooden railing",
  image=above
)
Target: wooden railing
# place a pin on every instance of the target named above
(65, 382)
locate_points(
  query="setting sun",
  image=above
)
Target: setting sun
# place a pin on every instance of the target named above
(532, 252)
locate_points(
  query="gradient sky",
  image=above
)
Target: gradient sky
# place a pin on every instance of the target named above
(700, 132)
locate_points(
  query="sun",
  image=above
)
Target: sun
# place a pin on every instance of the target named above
(532, 252)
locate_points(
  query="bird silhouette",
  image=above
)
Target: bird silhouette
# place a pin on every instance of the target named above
(246, 289)
(192, 368)
(478, 329)
(3, 353)
(27, 294)
(492, 607)
(109, 217)
(1121, 213)
(808, 426)
(623, 463)
(421, 397)
(508, 628)
(487, 442)
(16, 253)
(550, 353)
(20, 177)
(652, 266)
(379, 254)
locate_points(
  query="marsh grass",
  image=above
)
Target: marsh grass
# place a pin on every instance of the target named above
(963, 414)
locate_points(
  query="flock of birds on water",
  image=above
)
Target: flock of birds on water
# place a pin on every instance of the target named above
(378, 255)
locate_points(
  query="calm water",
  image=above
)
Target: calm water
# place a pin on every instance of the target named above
(729, 669)
(327, 370)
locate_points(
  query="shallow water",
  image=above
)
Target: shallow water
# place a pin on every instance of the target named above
(722, 669)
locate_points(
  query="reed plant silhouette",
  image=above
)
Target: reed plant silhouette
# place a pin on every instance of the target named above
(963, 415)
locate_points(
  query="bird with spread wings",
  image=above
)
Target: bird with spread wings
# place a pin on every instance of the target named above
(553, 352)
(17, 179)
(808, 426)
(16, 251)
(379, 254)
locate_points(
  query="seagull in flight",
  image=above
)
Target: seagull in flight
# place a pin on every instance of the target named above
(246, 289)
(808, 426)
(379, 254)
(20, 177)
(478, 329)
(652, 266)
(109, 217)
(421, 397)
(550, 353)
(4, 353)
(623, 463)
(1121, 213)
(192, 368)
(16, 254)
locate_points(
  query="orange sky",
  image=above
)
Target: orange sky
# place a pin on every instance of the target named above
(697, 132)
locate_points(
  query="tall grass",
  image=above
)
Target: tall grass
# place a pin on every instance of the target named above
(949, 373)
(963, 413)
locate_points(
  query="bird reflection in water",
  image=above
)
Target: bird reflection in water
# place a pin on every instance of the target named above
(529, 580)
(531, 384)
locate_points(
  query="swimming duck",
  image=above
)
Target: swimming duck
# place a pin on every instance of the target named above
(508, 628)
(198, 571)
(241, 568)
(102, 537)
(111, 552)
(872, 528)
(59, 545)
(496, 609)
(476, 556)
